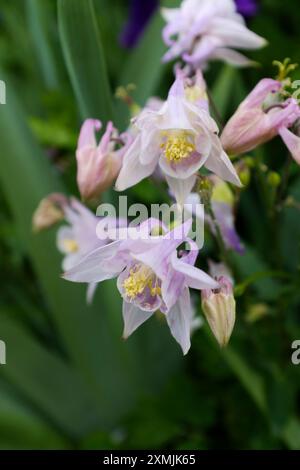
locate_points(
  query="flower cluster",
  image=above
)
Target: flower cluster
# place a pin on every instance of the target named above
(177, 142)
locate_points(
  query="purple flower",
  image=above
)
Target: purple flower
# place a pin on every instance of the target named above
(152, 275)
(247, 8)
(202, 30)
(140, 13)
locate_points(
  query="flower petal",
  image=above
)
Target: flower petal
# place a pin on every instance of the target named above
(292, 142)
(180, 188)
(87, 133)
(219, 163)
(132, 171)
(194, 277)
(99, 265)
(133, 317)
(179, 321)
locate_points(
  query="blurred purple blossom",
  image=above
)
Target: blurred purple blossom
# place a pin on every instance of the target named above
(140, 12)
(247, 8)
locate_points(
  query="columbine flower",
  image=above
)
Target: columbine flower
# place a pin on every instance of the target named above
(181, 137)
(84, 233)
(260, 117)
(98, 165)
(219, 307)
(201, 30)
(152, 275)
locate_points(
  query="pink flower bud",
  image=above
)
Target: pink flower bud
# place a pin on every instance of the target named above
(97, 165)
(259, 118)
(219, 308)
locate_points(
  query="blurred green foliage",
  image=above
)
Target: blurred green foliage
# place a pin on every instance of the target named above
(69, 381)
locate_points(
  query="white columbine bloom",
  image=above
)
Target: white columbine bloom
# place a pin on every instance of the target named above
(202, 30)
(181, 137)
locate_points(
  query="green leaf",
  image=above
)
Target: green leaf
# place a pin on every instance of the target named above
(144, 67)
(50, 384)
(84, 56)
(89, 335)
(38, 16)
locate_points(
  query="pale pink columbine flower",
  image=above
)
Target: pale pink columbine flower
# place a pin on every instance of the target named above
(264, 114)
(83, 233)
(152, 275)
(180, 137)
(98, 165)
(202, 30)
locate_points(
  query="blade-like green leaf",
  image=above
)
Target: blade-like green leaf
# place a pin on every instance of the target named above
(88, 337)
(50, 384)
(38, 24)
(84, 56)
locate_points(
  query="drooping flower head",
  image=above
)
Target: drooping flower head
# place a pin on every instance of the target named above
(98, 165)
(180, 137)
(202, 30)
(154, 273)
(265, 113)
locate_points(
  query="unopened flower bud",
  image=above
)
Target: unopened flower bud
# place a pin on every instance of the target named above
(219, 308)
(49, 212)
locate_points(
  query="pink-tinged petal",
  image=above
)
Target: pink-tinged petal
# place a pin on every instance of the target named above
(171, 287)
(183, 169)
(150, 147)
(157, 258)
(292, 142)
(203, 49)
(180, 188)
(91, 292)
(132, 171)
(260, 93)
(232, 57)
(284, 117)
(105, 140)
(87, 133)
(219, 164)
(194, 277)
(235, 34)
(99, 265)
(179, 321)
(133, 318)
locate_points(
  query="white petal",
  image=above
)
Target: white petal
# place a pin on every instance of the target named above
(91, 269)
(181, 189)
(179, 321)
(219, 163)
(133, 317)
(132, 171)
(194, 277)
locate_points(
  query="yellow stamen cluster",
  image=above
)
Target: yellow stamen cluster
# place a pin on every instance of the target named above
(139, 278)
(71, 246)
(177, 147)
